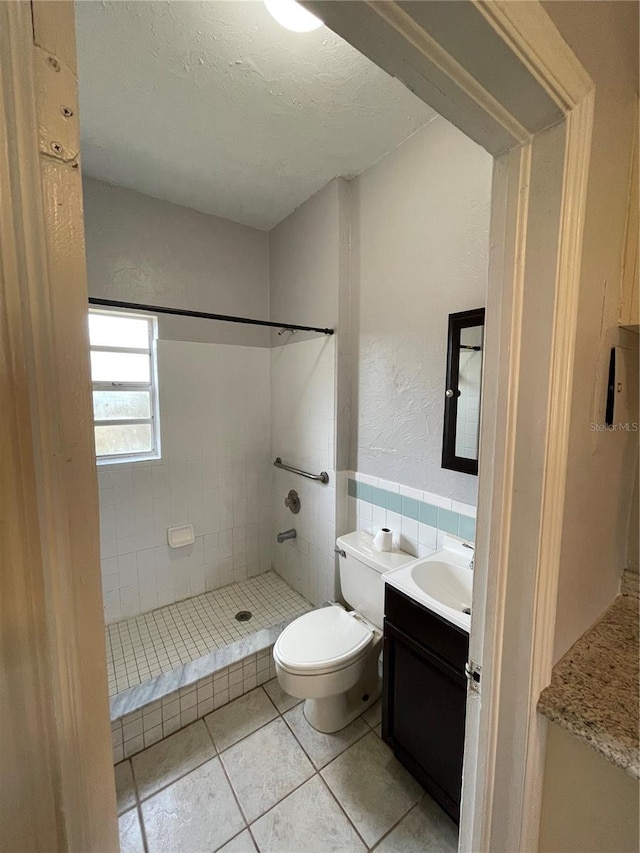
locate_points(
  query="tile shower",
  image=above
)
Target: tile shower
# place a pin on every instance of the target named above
(172, 640)
(214, 473)
(156, 642)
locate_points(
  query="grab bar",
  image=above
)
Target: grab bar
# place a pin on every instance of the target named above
(323, 477)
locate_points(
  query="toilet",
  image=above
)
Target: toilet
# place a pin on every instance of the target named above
(329, 657)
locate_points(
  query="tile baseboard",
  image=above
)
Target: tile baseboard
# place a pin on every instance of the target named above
(158, 718)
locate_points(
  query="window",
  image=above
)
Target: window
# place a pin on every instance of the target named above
(123, 373)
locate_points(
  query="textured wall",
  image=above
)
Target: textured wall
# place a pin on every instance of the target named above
(419, 252)
(304, 258)
(601, 465)
(141, 249)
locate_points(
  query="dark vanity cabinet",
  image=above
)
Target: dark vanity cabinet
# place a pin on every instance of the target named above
(424, 696)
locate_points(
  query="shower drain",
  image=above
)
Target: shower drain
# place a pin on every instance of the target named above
(244, 615)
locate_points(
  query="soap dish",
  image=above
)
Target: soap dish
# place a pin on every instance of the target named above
(178, 537)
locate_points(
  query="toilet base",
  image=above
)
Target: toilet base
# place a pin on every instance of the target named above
(333, 713)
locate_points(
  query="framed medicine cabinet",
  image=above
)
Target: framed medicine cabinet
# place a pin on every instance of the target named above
(462, 391)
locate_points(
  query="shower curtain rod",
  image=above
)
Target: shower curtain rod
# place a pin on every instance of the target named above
(182, 312)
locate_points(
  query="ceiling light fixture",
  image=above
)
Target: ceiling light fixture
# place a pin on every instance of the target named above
(292, 16)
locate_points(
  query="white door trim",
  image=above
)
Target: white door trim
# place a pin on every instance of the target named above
(500, 385)
(579, 127)
(518, 666)
(56, 745)
(449, 67)
(531, 35)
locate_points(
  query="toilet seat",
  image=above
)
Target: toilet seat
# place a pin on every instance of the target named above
(322, 641)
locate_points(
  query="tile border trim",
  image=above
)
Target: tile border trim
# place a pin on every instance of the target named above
(447, 520)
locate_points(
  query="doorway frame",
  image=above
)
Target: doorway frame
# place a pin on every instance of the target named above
(530, 344)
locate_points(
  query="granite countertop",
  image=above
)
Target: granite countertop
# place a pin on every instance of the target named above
(594, 688)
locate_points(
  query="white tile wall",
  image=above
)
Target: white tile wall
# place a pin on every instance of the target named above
(215, 472)
(140, 729)
(303, 434)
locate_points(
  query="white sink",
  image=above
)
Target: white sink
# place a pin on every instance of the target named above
(443, 582)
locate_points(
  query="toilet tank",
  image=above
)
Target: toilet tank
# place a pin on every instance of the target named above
(361, 570)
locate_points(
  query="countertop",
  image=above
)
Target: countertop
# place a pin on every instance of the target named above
(594, 688)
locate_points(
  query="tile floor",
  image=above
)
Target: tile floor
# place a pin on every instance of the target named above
(254, 776)
(145, 646)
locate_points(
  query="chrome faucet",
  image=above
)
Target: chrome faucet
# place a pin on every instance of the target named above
(287, 534)
(473, 553)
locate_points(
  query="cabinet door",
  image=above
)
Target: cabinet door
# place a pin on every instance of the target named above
(424, 719)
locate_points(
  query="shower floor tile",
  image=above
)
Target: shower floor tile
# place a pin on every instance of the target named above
(148, 645)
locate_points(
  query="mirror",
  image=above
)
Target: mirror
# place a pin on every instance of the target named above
(462, 391)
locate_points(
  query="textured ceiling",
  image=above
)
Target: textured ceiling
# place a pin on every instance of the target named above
(216, 107)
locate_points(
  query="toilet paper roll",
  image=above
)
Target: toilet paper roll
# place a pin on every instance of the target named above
(383, 540)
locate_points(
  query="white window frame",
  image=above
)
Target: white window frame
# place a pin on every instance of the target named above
(151, 386)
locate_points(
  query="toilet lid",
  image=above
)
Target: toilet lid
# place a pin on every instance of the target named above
(328, 637)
